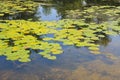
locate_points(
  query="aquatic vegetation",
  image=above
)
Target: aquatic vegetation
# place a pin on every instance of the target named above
(11, 7)
(19, 37)
(95, 13)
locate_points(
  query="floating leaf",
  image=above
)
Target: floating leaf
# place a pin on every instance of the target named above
(19, 37)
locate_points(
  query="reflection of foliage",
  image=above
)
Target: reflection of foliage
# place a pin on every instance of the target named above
(12, 7)
(18, 37)
(104, 2)
(63, 5)
(69, 3)
(46, 10)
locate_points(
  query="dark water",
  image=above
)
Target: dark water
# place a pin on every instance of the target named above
(74, 63)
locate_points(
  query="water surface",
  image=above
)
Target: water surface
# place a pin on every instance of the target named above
(74, 64)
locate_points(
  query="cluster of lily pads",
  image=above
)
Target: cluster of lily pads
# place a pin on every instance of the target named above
(19, 37)
(102, 12)
(10, 7)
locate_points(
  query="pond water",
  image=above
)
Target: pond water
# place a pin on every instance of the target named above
(74, 63)
(47, 13)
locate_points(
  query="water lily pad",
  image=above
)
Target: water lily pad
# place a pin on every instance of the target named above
(19, 37)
